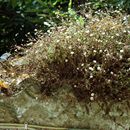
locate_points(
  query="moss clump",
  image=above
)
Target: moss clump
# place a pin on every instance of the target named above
(94, 60)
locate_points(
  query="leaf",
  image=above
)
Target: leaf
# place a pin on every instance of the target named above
(13, 3)
(80, 21)
(41, 2)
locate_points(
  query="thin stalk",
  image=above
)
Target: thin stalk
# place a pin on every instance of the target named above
(70, 4)
(30, 127)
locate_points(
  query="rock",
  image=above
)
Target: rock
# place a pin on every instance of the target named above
(63, 109)
(31, 87)
(5, 56)
(7, 113)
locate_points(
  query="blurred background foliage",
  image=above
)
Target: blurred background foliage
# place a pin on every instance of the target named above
(115, 4)
(19, 19)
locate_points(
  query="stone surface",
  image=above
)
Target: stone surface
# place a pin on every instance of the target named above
(4, 57)
(7, 113)
(62, 109)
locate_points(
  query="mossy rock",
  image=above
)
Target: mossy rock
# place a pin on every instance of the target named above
(7, 113)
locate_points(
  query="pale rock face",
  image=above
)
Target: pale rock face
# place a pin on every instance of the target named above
(62, 109)
(5, 56)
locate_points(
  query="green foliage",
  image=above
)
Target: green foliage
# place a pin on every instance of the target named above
(93, 60)
(116, 4)
(19, 19)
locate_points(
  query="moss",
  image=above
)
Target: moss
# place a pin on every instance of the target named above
(91, 59)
